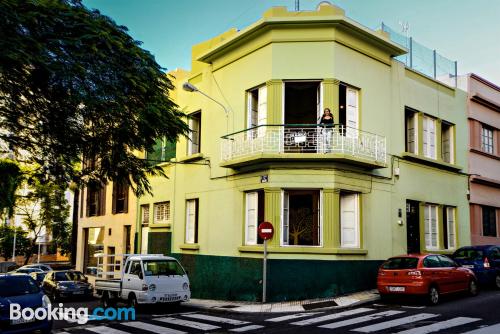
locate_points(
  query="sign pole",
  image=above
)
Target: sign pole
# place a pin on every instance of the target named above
(264, 273)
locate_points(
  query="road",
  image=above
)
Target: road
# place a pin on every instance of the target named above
(456, 314)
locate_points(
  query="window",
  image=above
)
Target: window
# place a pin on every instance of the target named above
(145, 214)
(431, 230)
(127, 239)
(447, 142)
(446, 262)
(194, 140)
(301, 218)
(349, 220)
(411, 132)
(161, 212)
(432, 262)
(192, 221)
(120, 197)
(429, 137)
(135, 268)
(161, 151)
(487, 139)
(489, 221)
(401, 263)
(257, 110)
(96, 199)
(449, 227)
(254, 207)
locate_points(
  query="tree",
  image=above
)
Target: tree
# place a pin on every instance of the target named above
(44, 210)
(23, 243)
(11, 177)
(74, 86)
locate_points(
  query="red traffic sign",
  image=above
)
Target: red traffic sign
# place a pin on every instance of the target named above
(265, 230)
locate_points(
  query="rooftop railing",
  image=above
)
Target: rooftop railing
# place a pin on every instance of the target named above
(304, 138)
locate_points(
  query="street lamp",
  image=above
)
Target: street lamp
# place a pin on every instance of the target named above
(188, 87)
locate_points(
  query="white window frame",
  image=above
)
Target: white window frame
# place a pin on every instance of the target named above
(251, 219)
(191, 221)
(285, 237)
(487, 140)
(451, 141)
(428, 226)
(163, 216)
(357, 221)
(413, 120)
(451, 227)
(145, 212)
(429, 137)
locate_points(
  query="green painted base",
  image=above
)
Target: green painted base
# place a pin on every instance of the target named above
(238, 278)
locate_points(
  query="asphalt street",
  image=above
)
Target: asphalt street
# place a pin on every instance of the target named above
(455, 314)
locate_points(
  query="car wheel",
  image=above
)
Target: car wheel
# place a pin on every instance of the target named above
(497, 281)
(433, 296)
(132, 301)
(473, 289)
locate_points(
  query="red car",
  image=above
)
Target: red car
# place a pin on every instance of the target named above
(427, 275)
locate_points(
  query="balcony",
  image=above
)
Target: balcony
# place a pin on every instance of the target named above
(303, 142)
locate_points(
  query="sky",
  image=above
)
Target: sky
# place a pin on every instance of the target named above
(467, 31)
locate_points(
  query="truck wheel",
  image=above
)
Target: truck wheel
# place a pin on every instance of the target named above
(132, 301)
(433, 296)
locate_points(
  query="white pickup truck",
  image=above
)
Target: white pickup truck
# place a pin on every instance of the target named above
(146, 279)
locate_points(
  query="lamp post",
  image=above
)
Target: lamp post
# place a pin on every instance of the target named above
(188, 87)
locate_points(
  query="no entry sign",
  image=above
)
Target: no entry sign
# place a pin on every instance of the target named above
(265, 230)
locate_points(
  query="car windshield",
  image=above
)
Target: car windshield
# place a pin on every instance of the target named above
(17, 285)
(162, 268)
(69, 276)
(401, 263)
(468, 254)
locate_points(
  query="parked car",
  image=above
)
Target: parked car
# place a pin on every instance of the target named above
(23, 290)
(41, 266)
(26, 271)
(66, 284)
(484, 261)
(424, 275)
(7, 266)
(38, 277)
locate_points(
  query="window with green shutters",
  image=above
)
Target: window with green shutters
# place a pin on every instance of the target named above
(161, 151)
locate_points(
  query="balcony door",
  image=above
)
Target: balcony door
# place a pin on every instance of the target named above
(302, 110)
(257, 111)
(349, 109)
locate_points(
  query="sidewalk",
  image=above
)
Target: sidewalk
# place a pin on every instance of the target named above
(288, 306)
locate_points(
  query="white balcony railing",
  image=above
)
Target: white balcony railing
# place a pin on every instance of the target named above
(304, 138)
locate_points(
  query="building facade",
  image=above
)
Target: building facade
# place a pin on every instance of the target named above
(388, 178)
(483, 112)
(106, 226)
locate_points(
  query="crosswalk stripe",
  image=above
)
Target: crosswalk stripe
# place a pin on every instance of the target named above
(331, 316)
(361, 319)
(216, 319)
(187, 323)
(105, 330)
(395, 322)
(246, 328)
(440, 325)
(494, 329)
(293, 316)
(152, 328)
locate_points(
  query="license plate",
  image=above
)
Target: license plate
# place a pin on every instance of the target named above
(22, 321)
(78, 293)
(468, 266)
(171, 295)
(397, 289)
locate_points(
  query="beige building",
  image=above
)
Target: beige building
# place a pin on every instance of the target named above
(106, 226)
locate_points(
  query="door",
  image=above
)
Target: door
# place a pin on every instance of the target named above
(455, 278)
(437, 273)
(412, 227)
(262, 111)
(352, 112)
(349, 220)
(132, 281)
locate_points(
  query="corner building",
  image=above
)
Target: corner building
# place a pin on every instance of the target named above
(386, 179)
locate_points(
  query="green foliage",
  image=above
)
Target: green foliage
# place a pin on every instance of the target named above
(74, 84)
(10, 179)
(23, 243)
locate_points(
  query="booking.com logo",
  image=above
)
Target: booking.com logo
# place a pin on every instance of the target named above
(80, 315)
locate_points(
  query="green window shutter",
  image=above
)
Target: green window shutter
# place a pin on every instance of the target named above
(154, 156)
(169, 151)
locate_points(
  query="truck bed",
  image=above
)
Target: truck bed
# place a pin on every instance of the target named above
(108, 284)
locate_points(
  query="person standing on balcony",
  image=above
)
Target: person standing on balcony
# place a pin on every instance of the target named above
(326, 123)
